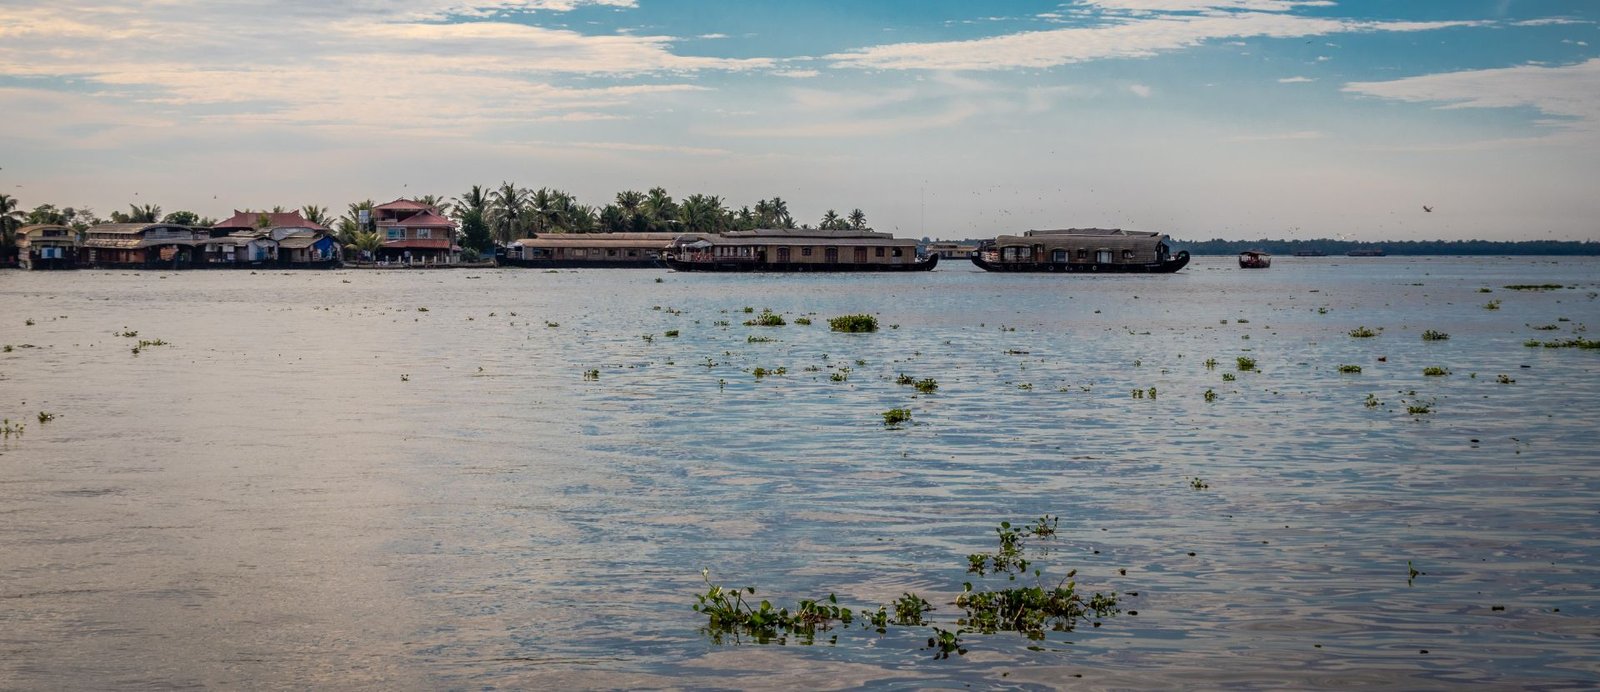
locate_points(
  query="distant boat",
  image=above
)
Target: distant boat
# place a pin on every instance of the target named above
(1310, 253)
(1091, 250)
(1254, 259)
(1375, 252)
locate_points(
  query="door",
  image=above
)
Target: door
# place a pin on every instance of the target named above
(1102, 256)
(831, 255)
(783, 255)
(1059, 257)
(861, 255)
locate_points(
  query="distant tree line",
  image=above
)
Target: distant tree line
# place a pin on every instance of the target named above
(1330, 246)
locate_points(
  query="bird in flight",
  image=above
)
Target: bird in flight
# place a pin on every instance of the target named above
(1427, 208)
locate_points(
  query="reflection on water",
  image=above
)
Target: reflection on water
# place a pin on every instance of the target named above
(319, 483)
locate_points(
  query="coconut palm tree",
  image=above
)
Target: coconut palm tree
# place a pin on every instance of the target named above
(366, 241)
(472, 211)
(315, 214)
(350, 224)
(612, 219)
(831, 221)
(10, 221)
(435, 201)
(702, 214)
(149, 213)
(508, 206)
(858, 219)
(659, 209)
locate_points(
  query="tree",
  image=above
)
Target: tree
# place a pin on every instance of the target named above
(350, 224)
(182, 218)
(366, 241)
(315, 214)
(434, 201)
(508, 204)
(773, 213)
(701, 214)
(263, 220)
(858, 219)
(831, 221)
(659, 209)
(10, 221)
(613, 219)
(471, 210)
(542, 205)
(46, 213)
(148, 213)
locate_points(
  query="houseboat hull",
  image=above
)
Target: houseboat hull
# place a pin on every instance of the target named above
(921, 265)
(1169, 266)
(650, 263)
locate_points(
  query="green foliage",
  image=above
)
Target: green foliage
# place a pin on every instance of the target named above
(1228, 377)
(1363, 333)
(671, 333)
(591, 374)
(753, 339)
(1211, 395)
(854, 323)
(767, 318)
(727, 613)
(45, 417)
(895, 416)
(1534, 287)
(1492, 305)
(1435, 371)
(1579, 342)
(904, 379)
(1372, 401)
(1505, 379)
(1198, 483)
(926, 385)
(1350, 369)
(803, 321)
(1245, 363)
(1432, 335)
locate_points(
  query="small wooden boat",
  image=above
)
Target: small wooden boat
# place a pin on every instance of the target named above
(1254, 259)
(795, 250)
(1091, 250)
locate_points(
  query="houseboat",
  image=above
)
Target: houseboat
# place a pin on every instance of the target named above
(1080, 250)
(950, 250)
(47, 246)
(1310, 253)
(1373, 252)
(591, 250)
(139, 245)
(1254, 259)
(795, 250)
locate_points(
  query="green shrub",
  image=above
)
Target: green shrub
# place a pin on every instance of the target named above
(854, 323)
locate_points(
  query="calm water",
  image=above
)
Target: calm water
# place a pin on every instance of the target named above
(317, 483)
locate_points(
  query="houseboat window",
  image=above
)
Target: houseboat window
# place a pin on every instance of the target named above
(1083, 254)
(805, 252)
(879, 253)
(1127, 254)
(611, 253)
(633, 253)
(898, 252)
(579, 252)
(424, 233)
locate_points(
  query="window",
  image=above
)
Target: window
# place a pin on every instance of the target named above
(880, 252)
(1083, 254)
(805, 252)
(394, 234)
(898, 252)
(424, 233)
(611, 253)
(1127, 254)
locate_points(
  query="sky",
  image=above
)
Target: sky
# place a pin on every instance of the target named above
(1237, 119)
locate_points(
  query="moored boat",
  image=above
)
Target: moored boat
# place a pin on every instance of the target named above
(1254, 259)
(1094, 250)
(795, 250)
(588, 250)
(1374, 252)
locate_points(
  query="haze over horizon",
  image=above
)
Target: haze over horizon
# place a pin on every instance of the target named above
(1238, 119)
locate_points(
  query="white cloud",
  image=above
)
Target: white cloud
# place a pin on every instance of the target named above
(1206, 5)
(796, 74)
(1280, 136)
(1119, 37)
(1570, 93)
(1295, 80)
(1140, 90)
(1549, 21)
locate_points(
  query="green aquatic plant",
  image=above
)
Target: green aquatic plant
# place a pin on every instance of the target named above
(895, 416)
(803, 321)
(1198, 484)
(1350, 369)
(910, 610)
(551, 325)
(927, 385)
(1211, 395)
(1492, 305)
(1534, 287)
(767, 318)
(9, 429)
(1505, 379)
(28, 322)
(1245, 363)
(1579, 342)
(1228, 377)
(904, 379)
(45, 417)
(753, 339)
(853, 323)
(1485, 289)
(1363, 333)
(591, 374)
(1419, 408)
(1435, 371)
(1211, 363)
(1432, 335)
(671, 334)
(1372, 401)
(422, 309)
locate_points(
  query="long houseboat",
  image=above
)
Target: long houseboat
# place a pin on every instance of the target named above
(796, 250)
(1080, 250)
(592, 250)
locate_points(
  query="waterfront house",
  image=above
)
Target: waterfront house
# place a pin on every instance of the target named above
(140, 245)
(47, 246)
(252, 221)
(415, 233)
(307, 248)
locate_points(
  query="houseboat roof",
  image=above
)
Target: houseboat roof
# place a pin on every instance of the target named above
(879, 240)
(1091, 232)
(248, 219)
(133, 228)
(807, 233)
(595, 241)
(663, 236)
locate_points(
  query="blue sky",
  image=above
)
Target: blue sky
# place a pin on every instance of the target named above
(1200, 118)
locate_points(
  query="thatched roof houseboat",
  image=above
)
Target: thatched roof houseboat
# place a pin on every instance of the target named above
(47, 246)
(594, 250)
(795, 250)
(1080, 250)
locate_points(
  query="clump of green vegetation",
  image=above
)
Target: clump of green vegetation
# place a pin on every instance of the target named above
(1322, 311)
(1362, 333)
(1485, 290)
(840, 375)
(1579, 342)
(1211, 363)
(1435, 371)
(1211, 395)
(1419, 408)
(1505, 379)
(803, 321)
(767, 318)
(551, 325)
(128, 333)
(1372, 401)
(422, 309)
(853, 323)
(1228, 377)
(671, 334)
(1492, 305)
(1245, 363)
(591, 374)
(1534, 287)
(1546, 327)
(1350, 369)
(1432, 335)
(8, 348)
(926, 385)
(28, 322)
(1198, 484)
(45, 417)
(904, 379)
(8, 429)
(763, 372)
(721, 323)
(749, 309)
(648, 338)
(894, 417)
(729, 613)
(753, 339)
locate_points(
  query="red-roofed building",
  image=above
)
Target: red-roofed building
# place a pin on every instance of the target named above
(251, 220)
(415, 233)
